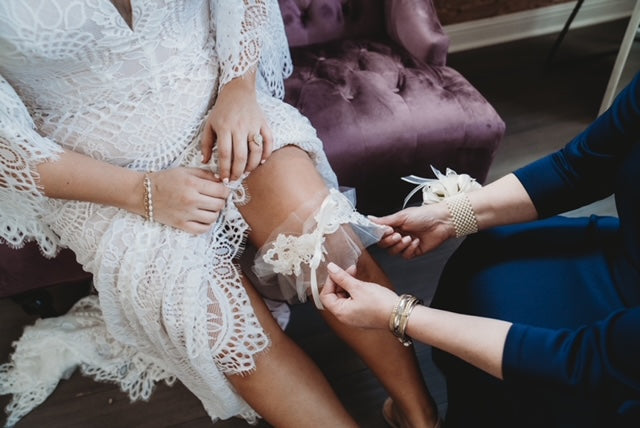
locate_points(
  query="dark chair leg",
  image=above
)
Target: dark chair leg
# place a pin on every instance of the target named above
(564, 31)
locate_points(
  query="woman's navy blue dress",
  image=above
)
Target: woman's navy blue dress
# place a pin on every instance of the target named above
(571, 286)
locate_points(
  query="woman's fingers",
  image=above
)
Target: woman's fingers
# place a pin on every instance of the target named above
(341, 277)
(412, 250)
(392, 220)
(209, 185)
(351, 270)
(241, 135)
(208, 204)
(268, 142)
(332, 294)
(188, 198)
(390, 240)
(256, 150)
(367, 304)
(400, 246)
(195, 228)
(206, 145)
(224, 145)
(331, 288)
(206, 217)
(239, 154)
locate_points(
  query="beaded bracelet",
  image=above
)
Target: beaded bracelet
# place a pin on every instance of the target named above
(148, 198)
(400, 317)
(462, 214)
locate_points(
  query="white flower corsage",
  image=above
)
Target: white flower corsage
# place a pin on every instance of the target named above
(443, 186)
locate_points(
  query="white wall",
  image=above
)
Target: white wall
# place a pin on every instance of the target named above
(535, 22)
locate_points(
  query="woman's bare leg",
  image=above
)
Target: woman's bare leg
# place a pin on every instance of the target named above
(287, 389)
(278, 188)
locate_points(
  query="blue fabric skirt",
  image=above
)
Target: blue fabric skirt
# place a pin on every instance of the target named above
(554, 273)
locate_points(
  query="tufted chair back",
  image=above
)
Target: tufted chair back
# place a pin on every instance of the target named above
(309, 22)
(413, 24)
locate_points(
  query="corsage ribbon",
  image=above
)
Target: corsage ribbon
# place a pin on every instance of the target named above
(441, 187)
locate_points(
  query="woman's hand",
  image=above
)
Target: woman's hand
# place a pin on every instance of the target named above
(237, 126)
(187, 198)
(355, 302)
(416, 230)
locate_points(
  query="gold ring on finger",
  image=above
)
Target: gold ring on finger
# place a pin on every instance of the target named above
(257, 140)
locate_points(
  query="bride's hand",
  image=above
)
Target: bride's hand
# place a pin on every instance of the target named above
(237, 126)
(187, 198)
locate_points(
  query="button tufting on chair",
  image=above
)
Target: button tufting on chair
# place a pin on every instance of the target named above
(383, 113)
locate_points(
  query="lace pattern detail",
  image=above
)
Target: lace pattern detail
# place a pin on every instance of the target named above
(85, 81)
(53, 348)
(21, 149)
(288, 253)
(298, 257)
(250, 33)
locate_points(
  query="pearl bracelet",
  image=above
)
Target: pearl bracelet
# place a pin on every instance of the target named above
(400, 317)
(148, 198)
(462, 214)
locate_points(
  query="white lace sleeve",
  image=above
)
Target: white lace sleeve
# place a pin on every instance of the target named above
(250, 34)
(21, 149)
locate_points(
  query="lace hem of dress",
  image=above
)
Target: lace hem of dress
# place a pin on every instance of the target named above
(52, 348)
(250, 35)
(21, 150)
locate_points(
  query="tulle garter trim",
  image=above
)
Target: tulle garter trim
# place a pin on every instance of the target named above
(295, 256)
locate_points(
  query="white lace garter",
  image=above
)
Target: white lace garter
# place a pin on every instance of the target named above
(441, 187)
(298, 262)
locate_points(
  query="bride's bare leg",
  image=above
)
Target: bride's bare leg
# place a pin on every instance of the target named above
(280, 187)
(287, 389)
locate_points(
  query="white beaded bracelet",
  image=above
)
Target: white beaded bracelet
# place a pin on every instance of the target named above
(148, 198)
(462, 214)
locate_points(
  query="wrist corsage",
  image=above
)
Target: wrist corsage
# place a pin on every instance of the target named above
(452, 188)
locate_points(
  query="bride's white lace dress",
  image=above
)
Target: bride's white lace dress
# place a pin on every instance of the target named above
(74, 75)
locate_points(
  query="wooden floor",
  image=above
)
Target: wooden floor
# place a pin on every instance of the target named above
(543, 108)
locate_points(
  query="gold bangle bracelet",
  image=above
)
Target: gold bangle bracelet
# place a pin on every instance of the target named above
(148, 198)
(400, 317)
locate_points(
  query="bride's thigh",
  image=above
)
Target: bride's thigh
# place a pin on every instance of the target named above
(279, 187)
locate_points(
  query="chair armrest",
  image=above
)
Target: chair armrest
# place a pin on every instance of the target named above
(415, 26)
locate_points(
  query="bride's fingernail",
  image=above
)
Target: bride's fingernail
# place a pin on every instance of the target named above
(262, 161)
(333, 268)
(225, 180)
(215, 174)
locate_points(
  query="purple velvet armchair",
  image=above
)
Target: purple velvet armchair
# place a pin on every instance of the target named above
(371, 76)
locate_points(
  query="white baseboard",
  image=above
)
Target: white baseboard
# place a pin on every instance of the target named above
(531, 23)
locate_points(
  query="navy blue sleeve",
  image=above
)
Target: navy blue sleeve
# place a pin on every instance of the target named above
(584, 170)
(587, 358)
